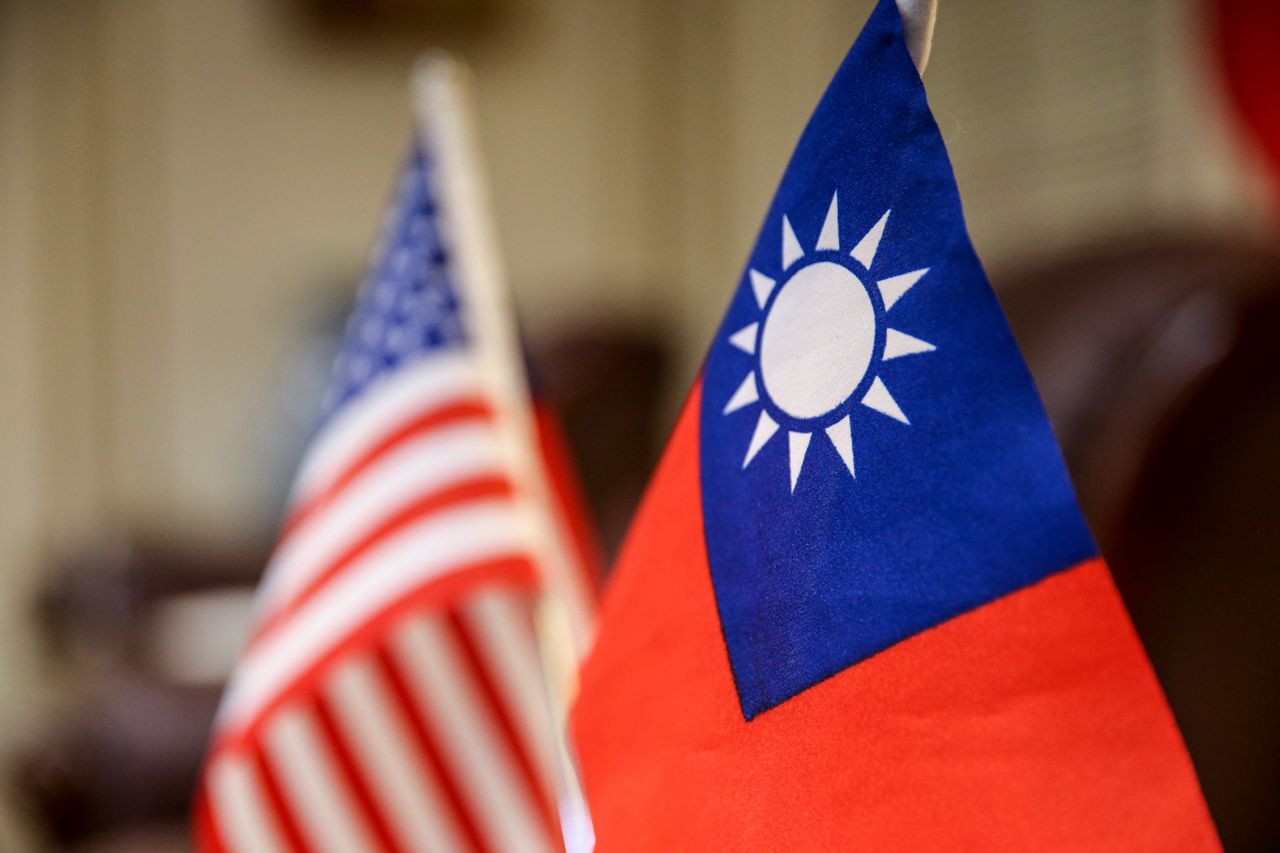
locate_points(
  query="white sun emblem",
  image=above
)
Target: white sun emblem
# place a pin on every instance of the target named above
(816, 344)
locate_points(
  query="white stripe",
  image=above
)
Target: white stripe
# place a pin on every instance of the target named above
(431, 462)
(300, 757)
(475, 532)
(398, 775)
(484, 769)
(434, 380)
(567, 575)
(503, 628)
(238, 804)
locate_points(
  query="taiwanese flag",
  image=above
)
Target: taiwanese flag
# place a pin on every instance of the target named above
(859, 607)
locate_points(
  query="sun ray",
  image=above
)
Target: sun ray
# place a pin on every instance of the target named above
(891, 289)
(830, 236)
(791, 251)
(897, 344)
(765, 428)
(799, 444)
(865, 252)
(879, 398)
(842, 441)
(761, 286)
(745, 338)
(748, 392)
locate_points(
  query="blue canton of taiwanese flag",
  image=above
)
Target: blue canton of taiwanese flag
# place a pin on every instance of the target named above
(875, 459)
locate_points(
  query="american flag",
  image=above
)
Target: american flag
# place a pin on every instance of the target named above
(391, 696)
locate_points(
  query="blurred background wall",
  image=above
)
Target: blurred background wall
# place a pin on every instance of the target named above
(186, 188)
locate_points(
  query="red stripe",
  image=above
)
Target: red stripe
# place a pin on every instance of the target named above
(354, 776)
(513, 571)
(204, 830)
(483, 678)
(569, 504)
(421, 733)
(276, 802)
(419, 424)
(444, 499)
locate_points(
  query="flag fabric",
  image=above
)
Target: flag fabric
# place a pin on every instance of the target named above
(392, 695)
(1246, 41)
(859, 607)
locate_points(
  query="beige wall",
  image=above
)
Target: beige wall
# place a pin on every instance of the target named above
(179, 179)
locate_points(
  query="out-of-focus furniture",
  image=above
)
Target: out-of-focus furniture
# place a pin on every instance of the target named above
(144, 633)
(605, 383)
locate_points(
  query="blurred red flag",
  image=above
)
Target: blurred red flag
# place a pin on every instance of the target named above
(1246, 36)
